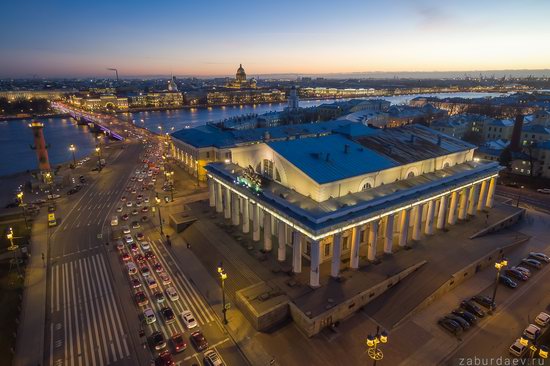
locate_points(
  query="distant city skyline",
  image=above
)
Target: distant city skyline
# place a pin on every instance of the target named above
(68, 39)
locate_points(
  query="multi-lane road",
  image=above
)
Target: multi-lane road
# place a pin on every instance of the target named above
(92, 317)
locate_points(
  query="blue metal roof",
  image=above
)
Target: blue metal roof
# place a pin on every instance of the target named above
(327, 159)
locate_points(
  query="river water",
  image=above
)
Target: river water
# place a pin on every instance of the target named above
(16, 137)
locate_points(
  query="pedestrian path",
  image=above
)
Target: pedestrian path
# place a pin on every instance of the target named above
(85, 326)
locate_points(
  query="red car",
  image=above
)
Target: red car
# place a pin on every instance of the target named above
(125, 256)
(158, 267)
(164, 359)
(136, 283)
(179, 342)
(125, 217)
(141, 299)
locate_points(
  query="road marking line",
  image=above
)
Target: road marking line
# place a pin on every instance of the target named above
(94, 323)
(87, 323)
(51, 344)
(77, 313)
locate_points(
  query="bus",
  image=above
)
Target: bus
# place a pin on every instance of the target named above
(51, 220)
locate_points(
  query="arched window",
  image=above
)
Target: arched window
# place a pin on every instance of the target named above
(268, 169)
(410, 175)
(366, 186)
(277, 175)
(446, 165)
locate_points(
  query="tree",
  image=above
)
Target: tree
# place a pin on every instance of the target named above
(473, 137)
(505, 157)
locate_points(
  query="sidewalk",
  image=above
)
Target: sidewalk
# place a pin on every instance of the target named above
(30, 334)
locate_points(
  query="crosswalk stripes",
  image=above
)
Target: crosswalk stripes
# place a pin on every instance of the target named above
(88, 328)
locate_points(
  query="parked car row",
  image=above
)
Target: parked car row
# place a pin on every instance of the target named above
(530, 334)
(522, 272)
(467, 314)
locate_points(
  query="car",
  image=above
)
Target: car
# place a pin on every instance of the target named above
(168, 315)
(141, 299)
(145, 209)
(158, 341)
(542, 319)
(165, 279)
(139, 197)
(211, 358)
(151, 283)
(532, 263)
(146, 200)
(523, 270)
(129, 204)
(136, 283)
(139, 258)
(82, 179)
(114, 221)
(199, 341)
(145, 271)
(544, 190)
(466, 315)
(507, 281)
(53, 196)
(472, 308)
(135, 225)
(149, 316)
(159, 297)
(172, 294)
(179, 342)
(138, 204)
(188, 319)
(518, 275)
(125, 256)
(131, 267)
(464, 324)
(484, 301)
(158, 267)
(134, 191)
(145, 245)
(133, 179)
(126, 229)
(125, 217)
(51, 208)
(518, 349)
(149, 255)
(450, 325)
(133, 247)
(140, 236)
(144, 218)
(119, 209)
(135, 212)
(120, 245)
(164, 359)
(123, 198)
(71, 191)
(531, 332)
(140, 179)
(541, 257)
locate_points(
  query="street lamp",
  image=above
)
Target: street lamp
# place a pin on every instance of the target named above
(98, 151)
(9, 235)
(72, 148)
(498, 265)
(374, 352)
(170, 175)
(157, 200)
(22, 205)
(223, 277)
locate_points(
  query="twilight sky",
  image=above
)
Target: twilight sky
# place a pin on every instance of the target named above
(211, 37)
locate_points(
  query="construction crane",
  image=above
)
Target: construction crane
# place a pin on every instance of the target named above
(116, 72)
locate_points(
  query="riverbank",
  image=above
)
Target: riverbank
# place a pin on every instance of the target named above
(33, 116)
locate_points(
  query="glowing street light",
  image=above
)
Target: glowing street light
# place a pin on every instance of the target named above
(157, 200)
(374, 352)
(498, 265)
(9, 235)
(72, 149)
(223, 277)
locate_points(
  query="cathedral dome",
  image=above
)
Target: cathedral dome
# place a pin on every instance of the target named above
(241, 75)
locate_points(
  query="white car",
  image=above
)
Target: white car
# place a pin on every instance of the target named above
(128, 239)
(211, 358)
(518, 349)
(542, 319)
(544, 190)
(53, 196)
(114, 221)
(531, 332)
(146, 200)
(149, 316)
(129, 204)
(119, 209)
(188, 319)
(126, 230)
(145, 245)
(172, 294)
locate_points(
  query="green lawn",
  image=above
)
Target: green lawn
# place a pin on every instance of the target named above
(11, 288)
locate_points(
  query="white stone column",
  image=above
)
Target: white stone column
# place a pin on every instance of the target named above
(463, 208)
(473, 200)
(442, 213)
(388, 237)
(268, 245)
(315, 256)
(417, 225)
(403, 227)
(452, 208)
(255, 223)
(246, 216)
(429, 228)
(482, 196)
(373, 240)
(219, 199)
(491, 193)
(235, 216)
(354, 252)
(336, 252)
(296, 252)
(281, 238)
(227, 204)
(212, 192)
